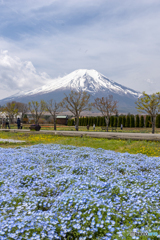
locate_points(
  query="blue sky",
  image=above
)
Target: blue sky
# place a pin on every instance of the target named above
(41, 40)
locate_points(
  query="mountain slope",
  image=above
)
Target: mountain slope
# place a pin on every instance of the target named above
(86, 80)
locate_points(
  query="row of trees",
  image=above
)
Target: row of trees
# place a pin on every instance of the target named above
(149, 104)
(77, 102)
(127, 121)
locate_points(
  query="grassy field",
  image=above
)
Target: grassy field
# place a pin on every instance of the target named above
(150, 148)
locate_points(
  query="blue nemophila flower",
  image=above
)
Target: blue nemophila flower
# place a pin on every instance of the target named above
(53, 191)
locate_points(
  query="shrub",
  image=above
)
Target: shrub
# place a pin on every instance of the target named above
(137, 121)
(124, 121)
(70, 122)
(111, 121)
(128, 121)
(115, 122)
(132, 122)
(119, 121)
(141, 121)
(158, 121)
(147, 121)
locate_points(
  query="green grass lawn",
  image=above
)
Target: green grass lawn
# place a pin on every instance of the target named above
(150, 148)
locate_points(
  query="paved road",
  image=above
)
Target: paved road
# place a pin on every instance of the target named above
(10, 140)
(109, 135)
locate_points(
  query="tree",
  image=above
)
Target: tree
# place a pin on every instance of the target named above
(137, 121)
(119, 121)
(147, 121)
(132, 122)
(53, 108)
(106, 106)
(22, 108)
(76, 102)
(151, 105)
(141, 121)
(158, 121)
(11, 110)
(124, 121)
(128, 121)
(37, 109)
(115, 121)
(111, 121)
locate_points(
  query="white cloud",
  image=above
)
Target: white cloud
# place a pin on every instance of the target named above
(16, 75)
(149, 80)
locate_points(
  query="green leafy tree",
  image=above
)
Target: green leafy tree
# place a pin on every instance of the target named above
(115, 121)
(124, 121)
(128, 121)
(111, 121)
(147, 120)
(141, 121)
(11, 110)
(158, 121)
(149, 104)
(119, 121)
(132, 122)
(137, 121)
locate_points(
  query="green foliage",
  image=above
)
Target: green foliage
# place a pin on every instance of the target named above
(149, 104)
(70, 122)
(132, 122)
(103, 122)
(141, 121)
(128, 121)
(137, 121)
(158, 121)
(124, 121)
(119, 121)
(111, 121)
(147, 122)
(115, 121)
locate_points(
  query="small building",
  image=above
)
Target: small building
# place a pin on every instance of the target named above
(63, 120)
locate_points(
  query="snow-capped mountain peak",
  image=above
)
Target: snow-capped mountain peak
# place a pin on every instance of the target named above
(85, 80)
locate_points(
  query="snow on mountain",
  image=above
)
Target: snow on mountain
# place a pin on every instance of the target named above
(85, 80)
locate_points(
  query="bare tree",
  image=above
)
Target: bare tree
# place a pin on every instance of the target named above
(106, 106)
(53, 108)
(37, 109)
(22, 108)
(151, 105)
(11, 110)
(76, 102)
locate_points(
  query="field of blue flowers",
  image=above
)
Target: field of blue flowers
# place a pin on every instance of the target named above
(64, 192)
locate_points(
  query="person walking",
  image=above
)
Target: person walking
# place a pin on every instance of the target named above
(93, 126)
(18, 123)
(7, 122)
(3, 123)
(121, 126)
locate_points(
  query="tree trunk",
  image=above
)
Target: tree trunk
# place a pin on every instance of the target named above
(77, 122)
(54, 123)
(153, 124)
(106, 119)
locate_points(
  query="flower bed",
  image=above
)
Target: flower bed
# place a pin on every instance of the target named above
(55, 192)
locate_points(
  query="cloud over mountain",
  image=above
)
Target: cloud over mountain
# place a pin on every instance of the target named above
(19, 75)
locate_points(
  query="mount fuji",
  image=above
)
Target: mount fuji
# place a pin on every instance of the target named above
(91, 81)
